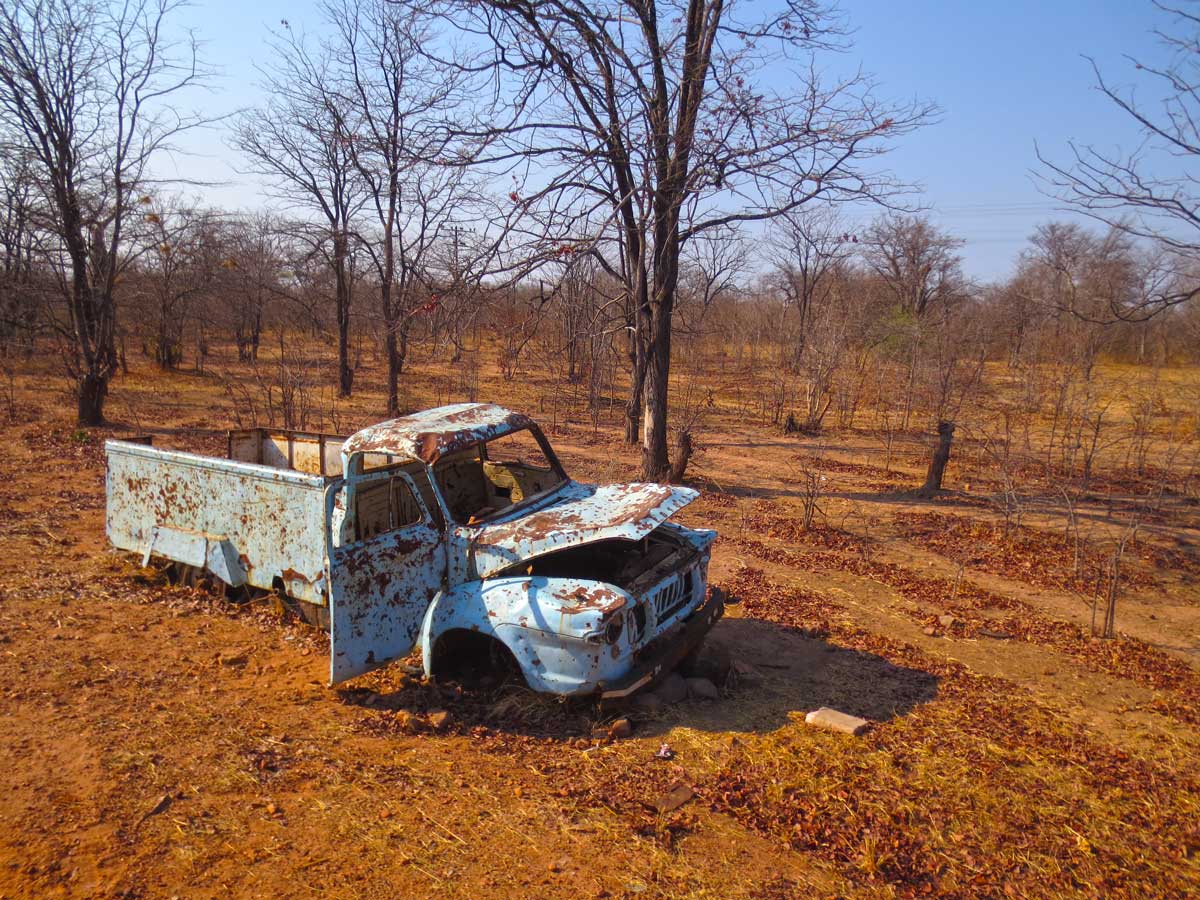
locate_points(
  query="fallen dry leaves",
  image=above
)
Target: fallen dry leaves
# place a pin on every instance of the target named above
(1027, 554)
(978, 610)
(937, 801)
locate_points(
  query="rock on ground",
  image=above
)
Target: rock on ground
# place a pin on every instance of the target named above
(440, 719)
(744, 674)
(406, 722)
(233, 657)
(620, 729)
(711, 660)
(837, 721)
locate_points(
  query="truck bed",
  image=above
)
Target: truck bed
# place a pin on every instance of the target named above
(314, 453)
(259, 523)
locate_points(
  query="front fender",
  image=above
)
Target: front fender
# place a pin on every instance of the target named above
(552, 627)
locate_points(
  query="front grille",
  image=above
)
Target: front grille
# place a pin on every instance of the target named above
(672, 596)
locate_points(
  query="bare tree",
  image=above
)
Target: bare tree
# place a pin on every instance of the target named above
(1148, 192)
(251, 276)
(172, 271)
(18, 237)
(806, 247)
(672, 119)
(1075, 276)
(918, 262)
(1016, 315)
(711, 268)
(87, 90)
(301, 140)
(394, 96)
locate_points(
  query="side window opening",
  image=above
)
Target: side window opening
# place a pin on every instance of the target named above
(461, 480)
(516, 467)
(384, 506)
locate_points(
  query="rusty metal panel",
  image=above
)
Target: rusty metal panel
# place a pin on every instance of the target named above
(246, 446)
(552, 626)
(306, 456)
(212, 552)
(558, 629)
(573, 515)
(273, 519)
(277, 452)
(331, 456)
(434, 433)
(380, 588)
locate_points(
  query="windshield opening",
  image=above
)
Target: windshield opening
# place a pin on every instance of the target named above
(493, 476)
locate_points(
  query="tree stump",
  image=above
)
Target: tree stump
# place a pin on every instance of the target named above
(683, 455)
(937, 465)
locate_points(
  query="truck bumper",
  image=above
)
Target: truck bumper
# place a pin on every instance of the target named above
(666, 651)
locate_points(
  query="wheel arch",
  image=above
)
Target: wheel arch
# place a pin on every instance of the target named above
(461, 610)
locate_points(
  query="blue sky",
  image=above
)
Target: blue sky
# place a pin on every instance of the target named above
(1005, 75)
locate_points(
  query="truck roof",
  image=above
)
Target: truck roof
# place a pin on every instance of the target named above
(431, 434)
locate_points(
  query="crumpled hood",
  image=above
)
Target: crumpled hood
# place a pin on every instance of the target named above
(574, 515)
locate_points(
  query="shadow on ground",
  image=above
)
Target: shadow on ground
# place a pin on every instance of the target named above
(796, 673)
(793, 673)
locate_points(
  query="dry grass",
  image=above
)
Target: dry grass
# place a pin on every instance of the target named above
(1061, 561)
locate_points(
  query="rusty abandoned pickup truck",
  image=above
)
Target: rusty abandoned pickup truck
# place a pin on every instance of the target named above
(455, 529)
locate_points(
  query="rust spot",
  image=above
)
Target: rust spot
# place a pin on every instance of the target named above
(428, 447)
(594, 598)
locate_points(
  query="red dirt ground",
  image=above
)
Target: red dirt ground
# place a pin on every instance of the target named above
(158, 742)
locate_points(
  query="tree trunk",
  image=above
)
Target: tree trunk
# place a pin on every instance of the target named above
(95, 352)
(683, 455)
(93, 319)
(393, 376)
(937, 465)
(633, 414)
(345, 370)
(656, 462)
(256, 333)
(637, 388)
(797, 359)
(93, 388)
(655, 321)
(168, 352)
